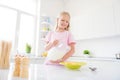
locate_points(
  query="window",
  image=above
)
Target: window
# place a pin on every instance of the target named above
(18, 23)
(27, 31)
(7, 24)
(28, 6)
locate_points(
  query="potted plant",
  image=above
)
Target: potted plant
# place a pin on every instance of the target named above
(86, 53)
(28, 48)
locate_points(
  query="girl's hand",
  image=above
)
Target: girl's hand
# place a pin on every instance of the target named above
(57, 61)
(55, 42)
(51, 44)
(52, 61)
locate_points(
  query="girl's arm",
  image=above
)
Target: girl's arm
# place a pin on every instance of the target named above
(69, 53)
(51, 44)
(48, 46)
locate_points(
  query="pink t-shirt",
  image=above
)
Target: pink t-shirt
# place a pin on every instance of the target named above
(64, 37)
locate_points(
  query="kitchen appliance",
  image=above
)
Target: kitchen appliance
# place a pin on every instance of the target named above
(117, 56)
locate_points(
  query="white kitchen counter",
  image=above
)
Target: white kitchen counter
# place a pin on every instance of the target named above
(95, 59)
(76, 58)
(106, 70)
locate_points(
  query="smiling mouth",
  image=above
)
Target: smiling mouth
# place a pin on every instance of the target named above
(63, 25)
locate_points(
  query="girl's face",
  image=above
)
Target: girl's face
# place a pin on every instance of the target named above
(63, 22)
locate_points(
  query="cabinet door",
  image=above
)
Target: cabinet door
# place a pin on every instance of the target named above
(92, 18)
(116, 8)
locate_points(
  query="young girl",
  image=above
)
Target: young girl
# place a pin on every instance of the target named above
(61, 37)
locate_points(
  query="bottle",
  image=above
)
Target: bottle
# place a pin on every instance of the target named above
(57, 52)
(24, 68)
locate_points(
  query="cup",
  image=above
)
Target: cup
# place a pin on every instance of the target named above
(117, 56)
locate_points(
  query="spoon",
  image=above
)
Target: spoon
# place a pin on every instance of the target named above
(92, 68)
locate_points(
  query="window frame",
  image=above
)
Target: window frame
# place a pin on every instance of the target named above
(17, 30)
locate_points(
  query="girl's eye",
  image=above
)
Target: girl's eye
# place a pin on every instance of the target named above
(65, 21)
(62, 20)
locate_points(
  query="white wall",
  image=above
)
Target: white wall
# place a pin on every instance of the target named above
(51, 7)
(99, 47)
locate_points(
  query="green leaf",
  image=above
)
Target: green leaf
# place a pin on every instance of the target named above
(86, 52)
(28, 48)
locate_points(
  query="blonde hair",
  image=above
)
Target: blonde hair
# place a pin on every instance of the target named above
(61, 14)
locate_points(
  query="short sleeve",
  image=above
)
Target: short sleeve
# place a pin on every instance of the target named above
(71, 38)
(48, 36)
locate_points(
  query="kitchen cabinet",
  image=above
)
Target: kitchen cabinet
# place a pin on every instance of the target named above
(116, 8)
(94, 18)
(105, 70)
